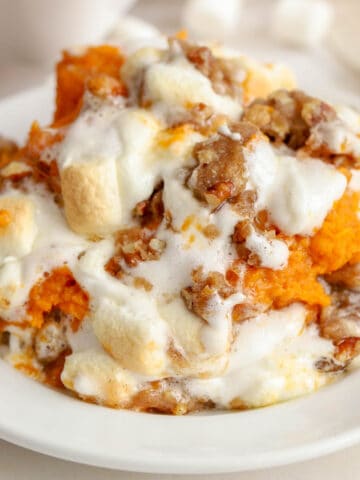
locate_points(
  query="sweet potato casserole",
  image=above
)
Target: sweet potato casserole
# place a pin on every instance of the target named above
(184, 235)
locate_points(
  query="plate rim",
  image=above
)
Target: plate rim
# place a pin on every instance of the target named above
(174, 464)
(289, 457)
(12, 432)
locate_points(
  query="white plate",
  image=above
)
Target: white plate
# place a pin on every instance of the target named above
(44, 420)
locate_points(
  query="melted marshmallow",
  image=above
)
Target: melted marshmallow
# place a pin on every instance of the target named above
(188, 248)
(127, 142)
(53, 245)
(173, 84)
(272, 253)
(338, 137)
(180, 84)
(298, 193)
(120, 139)
(225, 130)
(272, 359)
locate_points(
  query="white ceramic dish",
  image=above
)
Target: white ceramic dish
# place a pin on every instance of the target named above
(41, 419)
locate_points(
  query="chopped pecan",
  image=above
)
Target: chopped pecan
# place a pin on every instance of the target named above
(341, 319)
(221, 72)
(348, 277)
(329, 365)
(167, 396)
(220, 175)
(245, 311)
(340, 322)
(345, 351)
(202, 119)
(134, 245)
(113, 266)
(137, 244)
(242, 230)
(199, 297)
(151, 212)
(315, 111)
(288, 116)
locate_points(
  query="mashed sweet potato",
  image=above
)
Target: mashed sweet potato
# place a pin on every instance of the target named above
(97, 69)
(335, 244)
(75, 71)
(60, 290)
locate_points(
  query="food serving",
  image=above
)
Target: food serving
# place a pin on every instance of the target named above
(184, 235)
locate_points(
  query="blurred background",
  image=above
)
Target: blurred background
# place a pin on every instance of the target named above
(319, 39)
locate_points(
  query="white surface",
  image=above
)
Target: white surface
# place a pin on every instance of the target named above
(132, 33)
(302, 23)
(19, 464)
(345, 36)
(37, 30)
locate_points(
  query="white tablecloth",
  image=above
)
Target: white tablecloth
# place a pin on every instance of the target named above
(319, 72)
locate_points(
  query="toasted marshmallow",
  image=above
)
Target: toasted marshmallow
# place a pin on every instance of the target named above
(257, 79)
(124, 320)
(88, 172)
(104, 178)
(17, 237)
(172, 84)
(188, 334)
(179, 85)
(302, 23)
(133, 333)
(272, 253)
(91, 197)
(94, 375)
